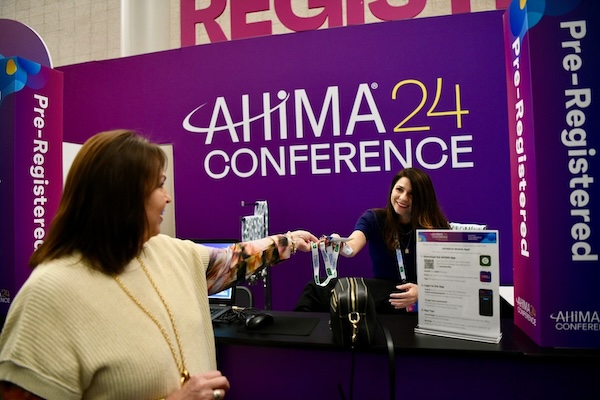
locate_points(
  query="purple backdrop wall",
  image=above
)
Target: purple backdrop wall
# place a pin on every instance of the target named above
(319, 140)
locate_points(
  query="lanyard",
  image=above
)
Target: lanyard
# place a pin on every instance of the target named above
(330, 255)
(401, 265)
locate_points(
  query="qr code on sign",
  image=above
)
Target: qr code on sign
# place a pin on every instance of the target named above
(429, 263)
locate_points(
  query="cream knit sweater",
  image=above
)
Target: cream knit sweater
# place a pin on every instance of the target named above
(73, 333)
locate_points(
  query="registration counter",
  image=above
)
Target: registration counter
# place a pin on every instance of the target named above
(296, 358)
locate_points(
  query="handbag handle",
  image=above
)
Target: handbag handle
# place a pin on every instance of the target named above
(391, 361)
(389, 341)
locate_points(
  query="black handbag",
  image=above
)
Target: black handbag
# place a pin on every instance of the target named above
(354, 321)
(316, 298)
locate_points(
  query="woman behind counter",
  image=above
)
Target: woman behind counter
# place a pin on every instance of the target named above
(113, 309)
(390, 234)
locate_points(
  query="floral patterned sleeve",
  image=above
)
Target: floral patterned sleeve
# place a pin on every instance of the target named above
(240, 261)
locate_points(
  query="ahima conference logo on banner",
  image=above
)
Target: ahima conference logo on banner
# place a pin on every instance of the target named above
(572, 320)
(286, 137)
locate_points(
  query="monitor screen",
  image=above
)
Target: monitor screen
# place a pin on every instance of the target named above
(223, 295)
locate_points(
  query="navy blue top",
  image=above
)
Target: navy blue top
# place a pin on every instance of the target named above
(384, 261)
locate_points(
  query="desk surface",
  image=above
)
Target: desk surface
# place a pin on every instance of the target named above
(514, 343)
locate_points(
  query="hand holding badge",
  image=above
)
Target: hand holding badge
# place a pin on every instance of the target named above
(330, 250)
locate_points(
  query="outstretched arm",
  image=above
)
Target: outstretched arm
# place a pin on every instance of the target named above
(357, 241)
(241, 260)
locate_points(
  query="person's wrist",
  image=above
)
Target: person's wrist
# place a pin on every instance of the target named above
(274, 241)
(292, 242)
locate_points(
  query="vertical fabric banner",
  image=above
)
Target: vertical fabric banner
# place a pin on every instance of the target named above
(552, 66)
(31, 125)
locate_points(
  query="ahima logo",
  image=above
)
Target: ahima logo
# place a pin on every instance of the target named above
(585, 321)
(576, 316)
(372, 155)
(331, 105)
(527, 311)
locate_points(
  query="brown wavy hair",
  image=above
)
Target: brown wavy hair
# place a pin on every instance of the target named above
(102, 213)
(426, 212)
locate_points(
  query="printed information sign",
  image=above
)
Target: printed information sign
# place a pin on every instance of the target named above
(458, 273)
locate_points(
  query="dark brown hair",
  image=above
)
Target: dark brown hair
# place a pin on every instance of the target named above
(102, 213)
(425, 210)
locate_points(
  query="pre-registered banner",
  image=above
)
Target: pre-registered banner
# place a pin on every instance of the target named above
(316, 123)
(31, 115)
(552, 68)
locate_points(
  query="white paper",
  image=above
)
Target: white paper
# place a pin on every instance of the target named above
(458, 275)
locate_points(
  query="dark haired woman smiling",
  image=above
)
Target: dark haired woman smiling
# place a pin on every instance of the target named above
(390, 235)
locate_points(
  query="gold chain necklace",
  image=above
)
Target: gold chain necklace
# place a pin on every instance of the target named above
(399, 242)
(185, 375)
